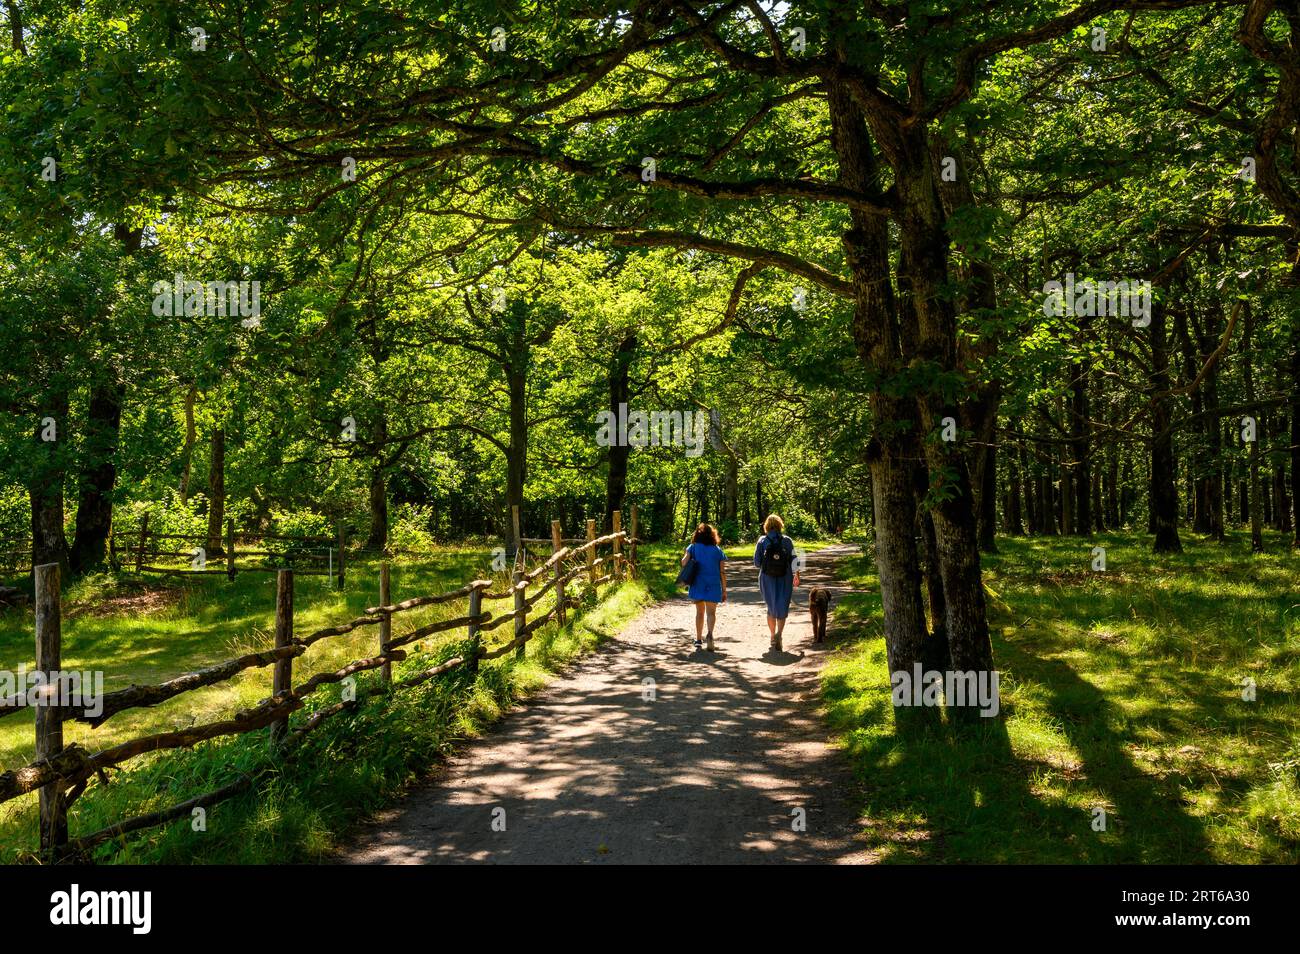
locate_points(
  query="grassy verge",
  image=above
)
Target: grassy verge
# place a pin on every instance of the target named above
(350, 766)
(145, 631)
(1121, 691)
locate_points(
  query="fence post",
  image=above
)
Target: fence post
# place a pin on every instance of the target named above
(618, 546)
(230, 548)
(557, 544)
(631, 545)
(475, 611)
(338, 580)
(591, 555)
(521, 611)
(144, 535)
(283, 672)
(49, 714)
(385, 621)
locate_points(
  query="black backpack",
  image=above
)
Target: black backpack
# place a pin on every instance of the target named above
(776, 558)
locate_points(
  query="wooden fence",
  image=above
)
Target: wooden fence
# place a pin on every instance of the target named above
(14, 560)
(61, 773)
(140, 547)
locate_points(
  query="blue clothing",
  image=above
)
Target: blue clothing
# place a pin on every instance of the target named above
(708, 582)
(777, 590)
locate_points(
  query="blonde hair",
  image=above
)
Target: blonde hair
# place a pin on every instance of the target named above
(773, 522)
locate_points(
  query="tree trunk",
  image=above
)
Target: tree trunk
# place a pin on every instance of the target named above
(377, 537)
(1081, 450)
(662, 519)
(897, 562)
(1214, 439)
(618, 453)
(1295, 442)
(730, 487)
(1047, 499)
(1256, 502)
(1281, 506)
(1164, 490)
(216, 492)
(876, 334)
(923, 275)
(988, 501)
(935, 651)
(187, 453)
(45, 490)
(98, 477)
(1112, 491)
(1094, 481)
(1126, 492)
(1248, 375)
(517, 451)
(1011, 511)
(1030, 481)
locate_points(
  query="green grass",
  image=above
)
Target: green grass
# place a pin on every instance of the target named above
(352, 765)
(744, 552)
(161, 627)
(1120, 690)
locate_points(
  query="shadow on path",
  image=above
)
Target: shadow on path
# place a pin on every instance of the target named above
(648, 751)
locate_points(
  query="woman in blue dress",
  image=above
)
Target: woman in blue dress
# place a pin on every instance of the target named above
(710, 586)
(777, 575)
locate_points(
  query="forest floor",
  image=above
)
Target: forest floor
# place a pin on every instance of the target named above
(727, 760)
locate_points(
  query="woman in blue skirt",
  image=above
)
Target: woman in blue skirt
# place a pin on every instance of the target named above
(777, 575)
(710, 586)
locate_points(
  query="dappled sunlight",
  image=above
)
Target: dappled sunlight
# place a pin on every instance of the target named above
(1122, 694)
(708, 770)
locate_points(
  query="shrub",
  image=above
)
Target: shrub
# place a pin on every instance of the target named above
(15, 518)
(410, 527)
(299, 523)
(168, 515)
(799, 522)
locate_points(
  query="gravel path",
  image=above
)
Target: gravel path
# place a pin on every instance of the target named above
(710, 771)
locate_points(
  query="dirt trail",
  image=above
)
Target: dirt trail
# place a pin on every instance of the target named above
(709, 772)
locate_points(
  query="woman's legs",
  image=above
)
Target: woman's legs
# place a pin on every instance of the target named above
(777, 625)
(699, 619)
(711, 616)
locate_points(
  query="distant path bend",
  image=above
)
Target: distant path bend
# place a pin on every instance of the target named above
(709, 772)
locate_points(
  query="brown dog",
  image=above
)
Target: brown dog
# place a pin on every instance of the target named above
(819, 604)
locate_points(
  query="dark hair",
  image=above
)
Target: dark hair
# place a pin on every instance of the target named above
(705, 533)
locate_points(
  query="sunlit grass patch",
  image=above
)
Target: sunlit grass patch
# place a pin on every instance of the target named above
(1121, 692)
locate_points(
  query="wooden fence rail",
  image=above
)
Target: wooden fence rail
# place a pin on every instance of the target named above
(141, 544)
(61, 773)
